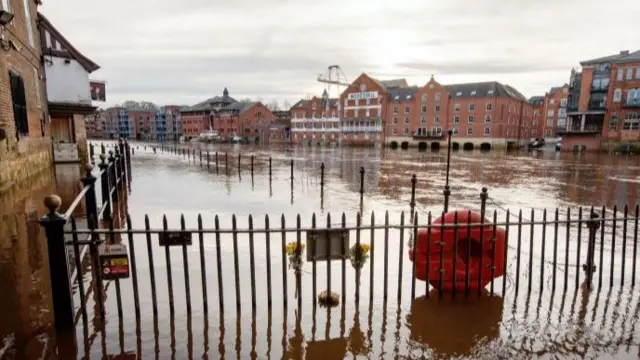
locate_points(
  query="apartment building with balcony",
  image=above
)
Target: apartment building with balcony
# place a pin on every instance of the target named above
(316, 121)
(159, 125)
(480, 115)
(622, 124)
(173, 119)
(555, 111)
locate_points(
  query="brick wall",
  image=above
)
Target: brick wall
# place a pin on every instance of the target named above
(24, 158)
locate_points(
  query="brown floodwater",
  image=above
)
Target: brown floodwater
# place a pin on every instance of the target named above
(537, 321)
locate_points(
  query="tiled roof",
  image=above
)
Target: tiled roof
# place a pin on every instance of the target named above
(402, 94)
(621, 57)
(632, 57)
(484, 89)
(536, 100)
(206, 105)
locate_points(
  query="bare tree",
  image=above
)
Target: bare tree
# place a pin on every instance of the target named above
(286, 105)
(273, 105)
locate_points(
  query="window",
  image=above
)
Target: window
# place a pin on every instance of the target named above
(406, 119)
(437, 108)
(437, 96)
(632, 96)
(424, 108)
(631, 121)
(19, 101)
(469, 130)
(487, 131)
(620, 75)
(456, 119)
(456, 107)
(454, 131)
(459, 93)
(629, 73)
(395, 109)
(395, 119)
(535, 122)
(490, 92)
(436, 119)
(489, 106)
(424, 98)
(470, 118)
(552, 101)
(422, 120)
(473, 93)
(407, 109)
(637, 73)
(472, 107)
(534, 132)
(563, 102)
(562, 113)
(394, 131)
(487, 118)
(6, 5)
(550, 113)
(549, 122)
(27, 15)
(617, 95)
(406, 131)
(613, 124)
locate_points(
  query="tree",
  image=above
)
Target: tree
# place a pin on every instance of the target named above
(286, 105)
(273, 105)
(246, 101)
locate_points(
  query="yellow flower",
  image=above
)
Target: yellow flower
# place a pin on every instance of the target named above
(292, 248)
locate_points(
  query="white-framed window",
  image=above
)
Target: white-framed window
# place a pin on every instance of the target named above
(469, 130)
(424, 108)
(631, 121)
(617, 95)
(395, 119)
(456, 119)
(613, 123)
(395, 109)
(27, 20)
(563, 102)
(487, 131)
(6, 5)
(637, 73)
(422, 120)
(394, 131)
(424, 97)
(490, 93)
(454, 131)
(407, 109)
(471, 118)
(487, 118)
(562, 113)
(472, 107)
(456, 107)
(473, 93)
(406, 119)
(547, 133)
(436, 119)
(549, 122)
(629, 73)
(406, 131)
(437, 108)
(489, 106)
(550, 113)
(632, 96)
(437, 96)
(620, 75)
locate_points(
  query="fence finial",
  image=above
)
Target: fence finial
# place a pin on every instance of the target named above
(52, 202)
(89, 168)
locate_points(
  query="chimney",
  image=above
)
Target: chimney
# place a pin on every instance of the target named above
(624, 52)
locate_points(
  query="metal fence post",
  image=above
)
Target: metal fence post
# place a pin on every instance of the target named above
(104, 185)
(447, 189)
(589, 267)
(322, 176)
(127, 147)
(90, 197)
(291, 171)
(91, 154)
(113, 176)
(53, 224)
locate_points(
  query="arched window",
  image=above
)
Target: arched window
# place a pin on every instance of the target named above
(617, 95)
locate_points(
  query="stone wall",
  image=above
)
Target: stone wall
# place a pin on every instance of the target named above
(32, 157)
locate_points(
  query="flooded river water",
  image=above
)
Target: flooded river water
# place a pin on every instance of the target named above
(553, 316)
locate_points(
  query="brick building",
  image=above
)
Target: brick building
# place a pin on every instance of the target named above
(174, 122)
(316, 121)
(555, 111)
(95, 124)
(487, 115)
(622, 126)
(227, 116)
(25, 148)
(538, 103)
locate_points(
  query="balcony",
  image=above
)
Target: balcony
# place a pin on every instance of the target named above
(597, 105)
(426, 135)
(577, 130)
(359, 129)
(316, 120)
(595, 87)
(314, 130)
(631, 104)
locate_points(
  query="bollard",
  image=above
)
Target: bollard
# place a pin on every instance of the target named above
(239, 155)
(447, 189)
(412, 203)
(291, 171)
(251, 164)
(200, 157)
(589, 267)
(90, 197)
(53, 224)
(207, 159)
(322, 176)
(104, 184)
(269, 168)
(226, 161)
(361, 183)
(216, 162)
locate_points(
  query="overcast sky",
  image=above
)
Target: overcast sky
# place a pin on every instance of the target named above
(183, 51)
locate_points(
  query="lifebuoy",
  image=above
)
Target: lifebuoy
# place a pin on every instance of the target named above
(438, 242)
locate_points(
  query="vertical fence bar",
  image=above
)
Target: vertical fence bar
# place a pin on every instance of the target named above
(226, 162)
(113, 175)
(203, 270)
(447, 189)
(566, 250)
(467, 275)
(216, 162)
(624, 243)
(555, 250)
(268, 252)
(200, 157)
(357, 259)
(61, 295)
(519, 251)
(506, 251)
(455, 253)
(97, 275)
(219, 263)
(285, 293)
(386, 255)
(322, 177)
(251, 164)
(531, 234)
(483, 211)
(493, 249)
(413, 251)
(208, 157)
(92, 154)
(441, 269)
(185, 264)
(344, 264)
(167, 256)
(270, 168)
(152, 271)
(252, 265)
(239, 161)
(236, 264)
(412, 203)
(544, 245)
(112, 236)
(579, 245)
(79, 276)
(401, 253)
(104, 185)
(603, 224)
(635, 246)
(330, 255)
(614, 228)
(371, 264)
(298, 272)
(134, 270)
(313, 262)
(428, 262)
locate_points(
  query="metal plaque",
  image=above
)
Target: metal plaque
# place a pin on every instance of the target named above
(114, 261)
(175, 238)
(321, 241)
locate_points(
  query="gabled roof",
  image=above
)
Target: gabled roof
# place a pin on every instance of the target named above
(622, 56)
(555, 89)
(206, 105)
(484, 89)
(86, 63)
(389, 85)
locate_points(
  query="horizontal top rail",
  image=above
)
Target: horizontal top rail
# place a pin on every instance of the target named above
(76, 201)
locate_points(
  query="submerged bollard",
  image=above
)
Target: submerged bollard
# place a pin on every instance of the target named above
(322, 176)
(412, 203)
(269, 168)
(361, 184)
(447, 189)
(291, 171)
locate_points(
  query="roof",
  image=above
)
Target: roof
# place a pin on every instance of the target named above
(206, 105)
(622, 56)
(555, 89)
(484, 89)
(402, 94)
(394, 83)
(536, 100)
(632, 57)
(84, 61)
(302, 104)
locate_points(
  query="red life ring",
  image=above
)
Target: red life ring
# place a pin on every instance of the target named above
(431, 241)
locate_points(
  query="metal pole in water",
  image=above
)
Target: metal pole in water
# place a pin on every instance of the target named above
(590, 267)
(447, 190)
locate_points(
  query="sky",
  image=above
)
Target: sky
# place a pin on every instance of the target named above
(184, 51)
